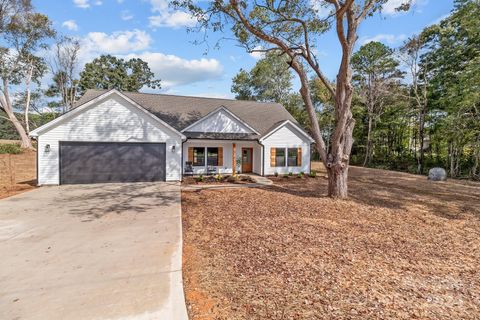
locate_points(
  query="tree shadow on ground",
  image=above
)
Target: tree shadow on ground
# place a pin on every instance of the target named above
(395, 190)
(96, 201)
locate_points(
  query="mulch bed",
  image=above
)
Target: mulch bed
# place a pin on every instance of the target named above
(400, 248)
(216, 179)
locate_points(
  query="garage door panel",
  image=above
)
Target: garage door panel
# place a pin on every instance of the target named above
(96, 162)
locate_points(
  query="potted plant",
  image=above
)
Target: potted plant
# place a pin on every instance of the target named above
(239, 165)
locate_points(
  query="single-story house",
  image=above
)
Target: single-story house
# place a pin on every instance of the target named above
(113, 136)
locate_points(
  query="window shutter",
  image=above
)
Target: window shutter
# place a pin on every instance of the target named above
(190, 154)
(273, 154)
(299, 157)
(220, 156)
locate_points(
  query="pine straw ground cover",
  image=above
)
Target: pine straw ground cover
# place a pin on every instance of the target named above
(400, 248)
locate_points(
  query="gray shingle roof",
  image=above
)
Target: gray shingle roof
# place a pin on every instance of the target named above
(181, 111)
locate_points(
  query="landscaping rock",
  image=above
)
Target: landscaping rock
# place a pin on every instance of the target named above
(437, 174)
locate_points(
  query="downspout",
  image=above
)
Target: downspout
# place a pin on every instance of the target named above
(38, 145)
(310, 157)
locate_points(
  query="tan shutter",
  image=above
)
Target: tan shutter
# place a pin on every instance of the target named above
(220, 156)
(299, 157)
(190, 154)
(234, 158)
(273, 154)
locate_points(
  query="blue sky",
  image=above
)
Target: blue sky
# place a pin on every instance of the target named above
(150, 30)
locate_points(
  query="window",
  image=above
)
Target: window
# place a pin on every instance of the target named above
(199, 157)
(212, 156)
(279, 157)
(292, 157)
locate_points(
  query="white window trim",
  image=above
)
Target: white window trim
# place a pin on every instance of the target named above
(205, 157)
(286, 156)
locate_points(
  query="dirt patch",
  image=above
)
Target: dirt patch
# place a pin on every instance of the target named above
(17, 173)
(401, 248)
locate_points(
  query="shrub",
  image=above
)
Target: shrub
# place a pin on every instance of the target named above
(313, 174)
(200, 178)
(290, 173)
(10, 148)
(219, 177)
(276, 174)
(301, 174)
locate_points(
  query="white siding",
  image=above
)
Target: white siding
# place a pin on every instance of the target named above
(227, 154)
(111, 120)
(256, 157)
(287, 137)
(220, 121)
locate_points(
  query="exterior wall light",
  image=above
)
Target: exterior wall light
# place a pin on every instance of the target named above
(47, 148)
(173, 148)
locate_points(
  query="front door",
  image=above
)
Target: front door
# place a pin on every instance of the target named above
(247, 160)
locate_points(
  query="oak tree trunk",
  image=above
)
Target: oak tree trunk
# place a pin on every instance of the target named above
(337, 182)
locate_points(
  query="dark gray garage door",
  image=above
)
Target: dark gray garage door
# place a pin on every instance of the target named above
(96, 162)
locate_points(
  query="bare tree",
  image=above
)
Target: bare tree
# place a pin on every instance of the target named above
(10, 10)
(23, 32)
(63, 65)
(34, 69)
(294, 27)
(411, 53)
(376, 74)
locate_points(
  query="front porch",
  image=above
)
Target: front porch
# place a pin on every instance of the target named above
(203, 157)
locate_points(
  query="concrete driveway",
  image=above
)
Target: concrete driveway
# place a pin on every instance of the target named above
(104, 251)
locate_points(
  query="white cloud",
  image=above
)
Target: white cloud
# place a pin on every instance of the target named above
(257, 55)
(175, 71)
(126, 15)
(81, 3)
(171, 69)
(389, 8)
(323, 9)
(84, 4)
(218, 95)
(70, 25)
(169, 18)
(117, 42)
(386, 38)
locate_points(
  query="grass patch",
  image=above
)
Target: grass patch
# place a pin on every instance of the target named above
(10, 148)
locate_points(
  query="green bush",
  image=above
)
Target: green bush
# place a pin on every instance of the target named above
(275, 174)
(290, 173)
(219, 177)
(301, 174)
(200, 178)
(10, 148)
(313, 174)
